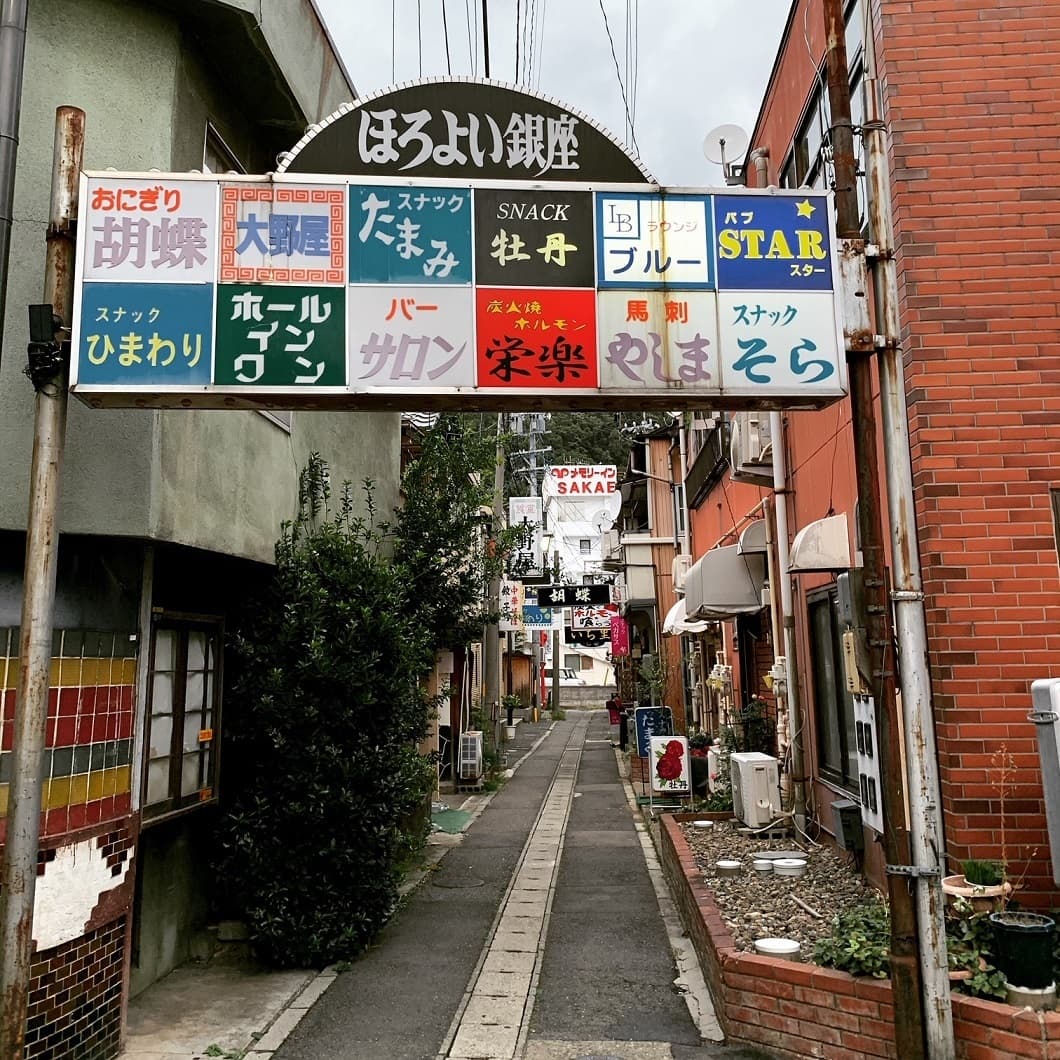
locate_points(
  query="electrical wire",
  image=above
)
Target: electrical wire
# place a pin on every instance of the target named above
(540, 42)
(518, 35)
(618, 75)
(470, 49)
(445, 32)
(393, 41)
(419, 34)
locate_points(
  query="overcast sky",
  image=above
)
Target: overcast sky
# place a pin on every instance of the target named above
(701, 63)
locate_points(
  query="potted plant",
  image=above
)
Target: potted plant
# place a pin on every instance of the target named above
(1023, 948)
(982, 885)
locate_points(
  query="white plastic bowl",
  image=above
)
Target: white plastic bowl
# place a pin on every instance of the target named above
(726, 867)
(763, 866)
(789, 867)
(785, 948)
(702, 824)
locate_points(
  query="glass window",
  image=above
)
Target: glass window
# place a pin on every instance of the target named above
(585, 545)
(832, 703)
(183, 713)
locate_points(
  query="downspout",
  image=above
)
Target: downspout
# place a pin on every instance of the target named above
(12, 61)
(760, 160)
(927, 841)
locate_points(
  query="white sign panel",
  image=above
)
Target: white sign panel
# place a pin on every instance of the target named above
(580, 481)
(669, 765)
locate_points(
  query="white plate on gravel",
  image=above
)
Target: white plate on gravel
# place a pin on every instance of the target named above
(773, 855)
(789, 866)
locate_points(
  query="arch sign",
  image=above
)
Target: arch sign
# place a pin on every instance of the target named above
(453, 244)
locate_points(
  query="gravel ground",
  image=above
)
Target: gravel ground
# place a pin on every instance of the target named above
(763, 906)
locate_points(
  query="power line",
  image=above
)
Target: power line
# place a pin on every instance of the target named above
(419, 34)
(618, 74)
(518, 30)
(393, 41)
(470, 50)
(541, 42)
(445, 31)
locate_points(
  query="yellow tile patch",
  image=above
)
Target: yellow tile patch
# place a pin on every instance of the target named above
(79, 789)
(76, 673)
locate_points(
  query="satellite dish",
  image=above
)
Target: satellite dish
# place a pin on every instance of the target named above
(602, 521)
(725, 144)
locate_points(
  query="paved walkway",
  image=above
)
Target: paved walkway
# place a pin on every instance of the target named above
(545, 933)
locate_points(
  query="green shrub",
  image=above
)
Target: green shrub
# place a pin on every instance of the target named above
(860, 942)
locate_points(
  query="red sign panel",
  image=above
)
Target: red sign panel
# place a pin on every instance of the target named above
(536, 338)
(619, 637)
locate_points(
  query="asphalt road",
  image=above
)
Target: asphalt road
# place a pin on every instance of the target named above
(604, 988)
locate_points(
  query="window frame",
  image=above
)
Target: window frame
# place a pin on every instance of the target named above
(207, 794)
(842, 707)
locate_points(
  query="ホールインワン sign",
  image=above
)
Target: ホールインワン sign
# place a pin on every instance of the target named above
(472, 258)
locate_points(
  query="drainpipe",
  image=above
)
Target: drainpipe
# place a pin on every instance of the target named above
(910, 625)
(12, 60)
(760, 160)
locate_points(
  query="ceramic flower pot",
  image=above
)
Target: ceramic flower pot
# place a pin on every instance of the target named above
(983, 897)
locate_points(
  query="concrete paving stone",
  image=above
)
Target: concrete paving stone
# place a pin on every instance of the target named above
(515, 942)
(509, 961)
(285, 1023)
(484, 1043)
(534, 883)
(313, 991)
(553, 1050)
(504, 984)
(517, 897)
(493, 1011)
(514, 920)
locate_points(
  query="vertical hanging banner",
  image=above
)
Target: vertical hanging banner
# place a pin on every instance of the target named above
(453, 245)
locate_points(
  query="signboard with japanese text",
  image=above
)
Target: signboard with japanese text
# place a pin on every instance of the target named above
(525, 515)
(535, 617)
(589, 617)
(511, 606)
(580, 480)
(573, 595)
(669, 765)
(453, 245)
(651, 722)
(619, 638)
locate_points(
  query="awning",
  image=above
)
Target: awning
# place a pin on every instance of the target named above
(676, 622)
(724, 583)
(821, 546)
(753, 539)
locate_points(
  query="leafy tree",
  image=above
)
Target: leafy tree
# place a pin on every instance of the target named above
(587, 438)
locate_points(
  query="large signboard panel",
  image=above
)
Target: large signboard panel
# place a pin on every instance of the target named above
(360, 292)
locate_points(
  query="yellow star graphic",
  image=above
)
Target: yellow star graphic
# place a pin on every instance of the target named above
(805, 208)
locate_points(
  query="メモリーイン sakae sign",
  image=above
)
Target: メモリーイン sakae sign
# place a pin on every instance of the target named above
(478, 247)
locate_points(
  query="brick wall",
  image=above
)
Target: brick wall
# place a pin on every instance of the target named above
(75, 1001)
(800, 1010)
(971, 102)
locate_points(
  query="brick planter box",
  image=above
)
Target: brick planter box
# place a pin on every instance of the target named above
(800, 1010)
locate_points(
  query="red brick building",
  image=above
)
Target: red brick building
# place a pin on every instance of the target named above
(970, 98)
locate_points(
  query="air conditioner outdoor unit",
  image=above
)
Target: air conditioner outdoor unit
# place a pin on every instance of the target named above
(470, 761)
(755, 787)
(751, 448)
(681, 566)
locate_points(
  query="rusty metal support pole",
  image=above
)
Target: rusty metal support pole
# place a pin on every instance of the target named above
(905, 971)
(925, 801)
(18, 873)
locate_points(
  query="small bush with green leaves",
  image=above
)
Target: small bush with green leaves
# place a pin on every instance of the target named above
(860, 942)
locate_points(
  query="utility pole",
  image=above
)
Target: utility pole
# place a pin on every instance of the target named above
(485, 40)
(905, 971)
(554, 705)
(50, 371)
(918, 712)
(491, 663)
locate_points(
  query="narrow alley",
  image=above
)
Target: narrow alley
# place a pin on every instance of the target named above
(539, 936)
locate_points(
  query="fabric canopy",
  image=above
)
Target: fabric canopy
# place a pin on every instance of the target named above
(676, 622)
(723, 583)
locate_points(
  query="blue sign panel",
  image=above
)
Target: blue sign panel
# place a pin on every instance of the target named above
(652, 721)
(652, 241)
(767, 243)
(415, 235)
(538, 617)
(146, 334)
